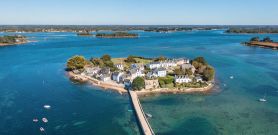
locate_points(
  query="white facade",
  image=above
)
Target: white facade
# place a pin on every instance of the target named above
(120, 66)
(182, 79)
(105, 78)
(136, 73)
(161, 72)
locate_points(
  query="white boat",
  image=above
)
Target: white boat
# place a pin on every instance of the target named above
(262, 100)
(149, 115)
(231, 77)
(41, 129)
(44, 120)
(47, 106)
(35, 120)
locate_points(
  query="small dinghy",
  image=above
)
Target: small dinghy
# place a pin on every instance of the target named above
(42, 129)
(35, 120)
(262, 100)
(149, 115)
(47, 106)
(44, 120)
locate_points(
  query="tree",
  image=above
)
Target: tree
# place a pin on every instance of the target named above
(188, 71)
(255, 39)
(97, 62)
(201, 60)
(166, 81)
(178, 72)
(130, 59)
(161, 58)
(76, 62)
(106, 57)
(267, 39)
(138, 83)
(208, 73)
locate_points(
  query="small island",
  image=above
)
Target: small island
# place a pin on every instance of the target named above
(12, 40)
(253, 30)
(117, 35)
(266, 42)
(84, 33)
(143, 75)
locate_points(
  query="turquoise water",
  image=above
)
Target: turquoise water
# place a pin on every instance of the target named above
(32, 75)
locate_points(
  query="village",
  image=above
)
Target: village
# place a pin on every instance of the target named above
(138, 73)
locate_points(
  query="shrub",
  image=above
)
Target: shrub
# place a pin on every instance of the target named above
(76, 62)
(138, 83)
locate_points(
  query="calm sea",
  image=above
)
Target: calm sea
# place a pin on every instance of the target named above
(33, 75)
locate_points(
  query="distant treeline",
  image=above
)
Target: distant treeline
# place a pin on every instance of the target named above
(153, 28)
(253, 30)
(117, 35)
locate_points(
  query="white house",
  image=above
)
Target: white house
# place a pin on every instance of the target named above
(199, 79)
(90, 71)
(188, 66)
(181, 61)
(119, 66)
(105, 77)
(158, 72)
(153, 65)
(182, 79)
(117, 76)
(133, 73)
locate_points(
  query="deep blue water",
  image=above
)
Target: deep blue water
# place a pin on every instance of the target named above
(32, 75)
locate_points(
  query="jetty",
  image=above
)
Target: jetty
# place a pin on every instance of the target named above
(142, 119)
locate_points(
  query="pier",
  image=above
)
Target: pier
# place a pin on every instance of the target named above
(144, 124)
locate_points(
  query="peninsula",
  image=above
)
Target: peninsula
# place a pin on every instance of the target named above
(143, 75)
(266, 42)
(12, 40)
(117, 35)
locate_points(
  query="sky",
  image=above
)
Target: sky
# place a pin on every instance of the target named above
(139, 12)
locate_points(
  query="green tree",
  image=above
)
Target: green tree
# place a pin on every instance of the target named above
(138, 83)
(188, 72)
(267, 39)
(256, 39)
(178, 72)
(208, 73)
(201, 60)
(130, 59)
(167, 81)
(76, 62)
(97, 62)
(161, 58)
(106, 57)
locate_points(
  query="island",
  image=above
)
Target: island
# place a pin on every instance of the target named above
(12, 40)
(253, 30)
(266, 43)
(117, 35)
(84, 33)
(143, 75)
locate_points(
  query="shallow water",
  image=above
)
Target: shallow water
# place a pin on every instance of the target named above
(32, 75)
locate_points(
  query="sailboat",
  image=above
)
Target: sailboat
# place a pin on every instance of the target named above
(263, 99)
